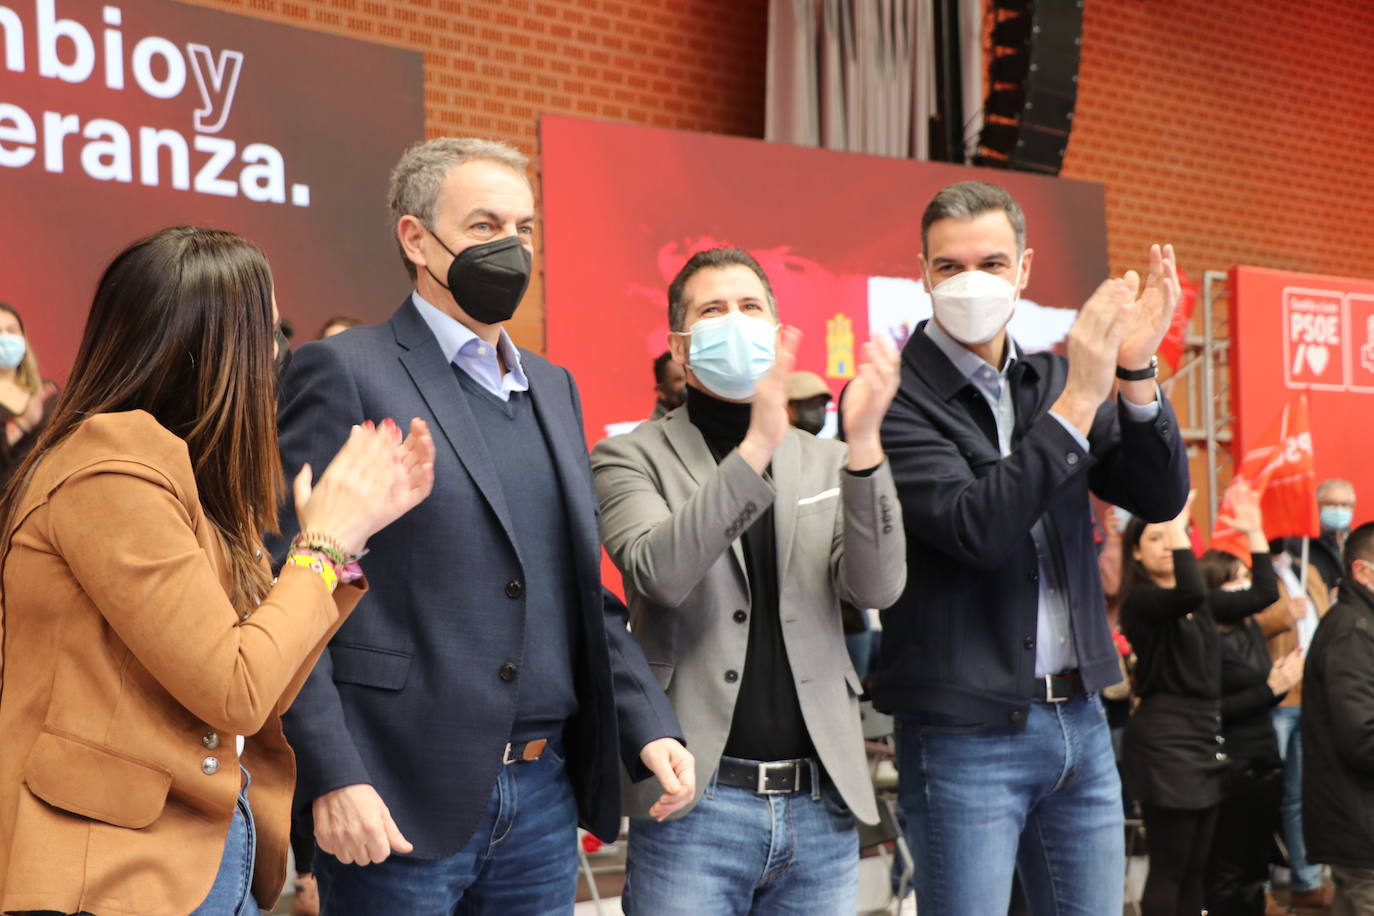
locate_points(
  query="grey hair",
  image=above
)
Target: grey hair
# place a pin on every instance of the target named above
(969, 199)
(1326, 486)
(416, 180)
(711, 258)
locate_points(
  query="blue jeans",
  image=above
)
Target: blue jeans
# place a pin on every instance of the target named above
(739, 852)
(521, 861)
(1045, 802)
(1287, 726)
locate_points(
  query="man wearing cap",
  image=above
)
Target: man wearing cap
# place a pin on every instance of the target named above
(807, 398)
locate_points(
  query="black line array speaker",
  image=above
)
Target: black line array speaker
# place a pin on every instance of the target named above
(1032, 84)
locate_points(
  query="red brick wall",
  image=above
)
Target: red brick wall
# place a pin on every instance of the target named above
(493, 66)
(1238, 129)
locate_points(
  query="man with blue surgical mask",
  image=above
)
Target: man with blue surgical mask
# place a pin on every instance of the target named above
(1336, 510)
(738, 537)
(993, 658)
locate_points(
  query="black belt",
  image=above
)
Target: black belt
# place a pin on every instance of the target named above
(777, 777)
(1056, 688)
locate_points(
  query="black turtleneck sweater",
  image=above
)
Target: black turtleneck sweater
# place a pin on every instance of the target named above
(768, 723)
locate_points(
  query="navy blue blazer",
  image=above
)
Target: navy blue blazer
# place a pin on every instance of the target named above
(408, 697)
(961, 639)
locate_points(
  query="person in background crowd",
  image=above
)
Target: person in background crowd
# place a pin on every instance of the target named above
(306, 900)
(1303, 612)
(1336, 508)
(1251, 685)
(993, 659)
(26, 398)
(337, 325)
(1175, 755)
(487, 702)
(670, 385)
(738, 539)
(143, 631)
(1116, 699)
(1338, 734)
(807, 398)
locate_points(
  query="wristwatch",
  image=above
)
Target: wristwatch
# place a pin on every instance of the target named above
(1139, 375)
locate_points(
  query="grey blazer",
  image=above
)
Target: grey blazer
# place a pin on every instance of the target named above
(671, 521)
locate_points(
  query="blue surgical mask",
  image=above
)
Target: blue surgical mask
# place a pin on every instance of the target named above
(1337, 518)
(731, 353)
(12, 349)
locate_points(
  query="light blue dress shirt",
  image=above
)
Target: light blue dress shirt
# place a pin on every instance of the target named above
(1054, 647)
(474, 355)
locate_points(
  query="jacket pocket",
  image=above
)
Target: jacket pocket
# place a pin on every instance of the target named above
(96, 782)
(663, 673)
(370, 667)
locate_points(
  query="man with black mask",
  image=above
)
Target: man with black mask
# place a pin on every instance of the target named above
(1338, 733)
(484, 700)
(807, 398)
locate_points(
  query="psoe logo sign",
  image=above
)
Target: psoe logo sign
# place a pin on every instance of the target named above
(1313, 339)
(67, 50)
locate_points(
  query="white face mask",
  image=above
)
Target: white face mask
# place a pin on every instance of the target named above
(974, 305)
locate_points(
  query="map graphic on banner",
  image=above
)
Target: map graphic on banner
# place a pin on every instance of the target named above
(118, 119)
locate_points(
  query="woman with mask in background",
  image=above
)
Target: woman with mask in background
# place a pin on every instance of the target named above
(148, 651)
(1175, 755)
(25, 396)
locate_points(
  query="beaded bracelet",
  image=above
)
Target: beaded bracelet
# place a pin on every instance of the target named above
(330, 547)
(318, 563)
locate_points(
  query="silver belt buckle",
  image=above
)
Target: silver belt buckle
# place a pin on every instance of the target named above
(763, 780)
(1049, 691)
(506, 758)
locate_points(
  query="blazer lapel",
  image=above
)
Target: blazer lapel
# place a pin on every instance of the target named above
(433, 376)
(568, 447)
(691, 448)
(786, 484)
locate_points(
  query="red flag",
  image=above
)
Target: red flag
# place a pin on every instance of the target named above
(1171, 347)
(1280, 469)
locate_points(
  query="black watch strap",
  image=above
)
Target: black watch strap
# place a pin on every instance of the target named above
(1139, 375)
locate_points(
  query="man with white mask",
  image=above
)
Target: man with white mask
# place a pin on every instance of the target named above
(738, 537)
(993, 658)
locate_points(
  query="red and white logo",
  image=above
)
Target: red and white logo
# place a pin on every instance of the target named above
(1313, 339)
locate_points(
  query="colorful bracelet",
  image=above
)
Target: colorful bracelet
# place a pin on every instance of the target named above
(318, 563)
(323, 543)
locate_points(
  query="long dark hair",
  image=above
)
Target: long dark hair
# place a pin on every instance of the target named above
(181, 327)
(1218, 567)
(1133, 572)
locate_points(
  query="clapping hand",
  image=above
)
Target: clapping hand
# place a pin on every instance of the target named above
(867, 398)
(768, 420)
(1154, 308)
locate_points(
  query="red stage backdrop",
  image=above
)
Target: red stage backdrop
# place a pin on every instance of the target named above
(120, 118)
(1294, 332)
(837, 233)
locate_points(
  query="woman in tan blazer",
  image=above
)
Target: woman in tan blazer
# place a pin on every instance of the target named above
(143, 632)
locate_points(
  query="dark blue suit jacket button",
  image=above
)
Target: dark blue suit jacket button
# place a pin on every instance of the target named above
(514, 588)
(508, 672)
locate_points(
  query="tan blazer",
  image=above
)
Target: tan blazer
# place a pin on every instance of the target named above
(127, 675)
(672, 520)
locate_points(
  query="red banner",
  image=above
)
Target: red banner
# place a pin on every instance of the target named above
(1171, 347)
(1301, 333)
(119, 119)
(1281, 469)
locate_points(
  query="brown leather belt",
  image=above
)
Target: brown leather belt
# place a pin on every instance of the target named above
(525, 751)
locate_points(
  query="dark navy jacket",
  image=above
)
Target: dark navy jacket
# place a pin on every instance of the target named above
(961, 640)
(410, 696)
